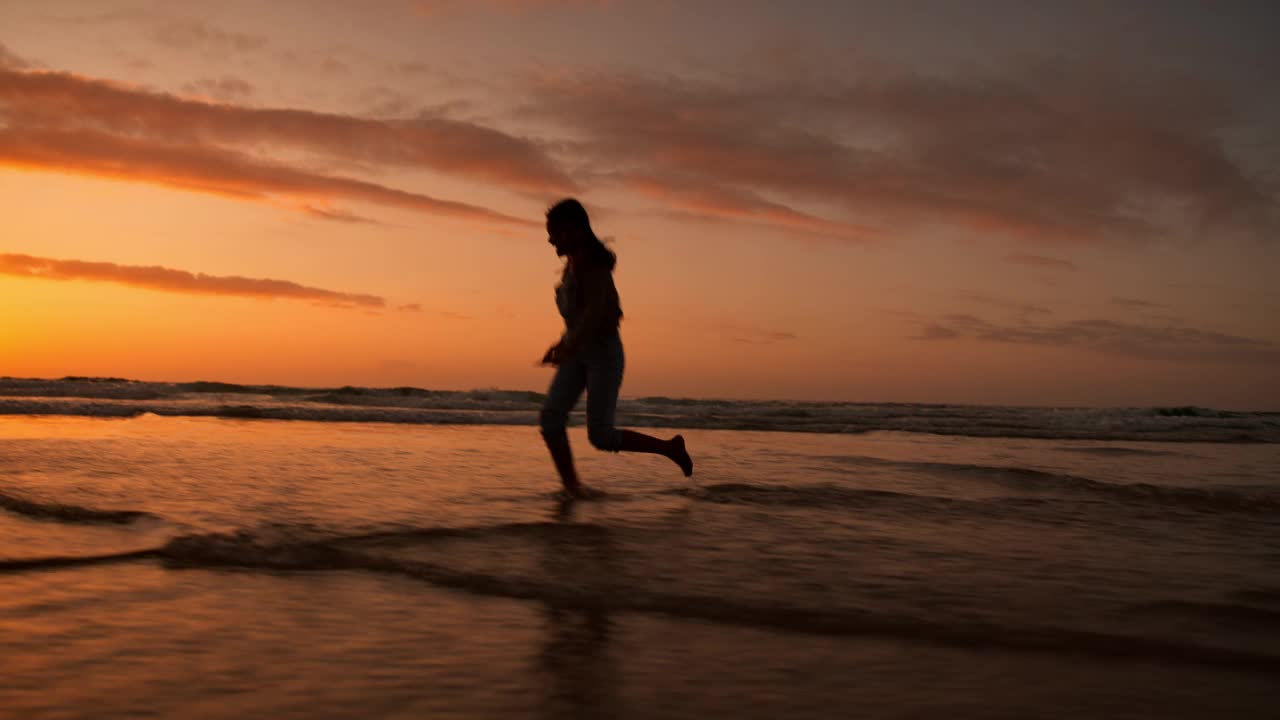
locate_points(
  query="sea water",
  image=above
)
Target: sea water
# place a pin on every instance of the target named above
(173, 551)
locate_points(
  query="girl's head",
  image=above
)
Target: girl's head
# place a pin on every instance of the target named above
(569, 231)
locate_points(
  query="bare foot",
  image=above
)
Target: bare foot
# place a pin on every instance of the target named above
(579, 492)
(680, 456)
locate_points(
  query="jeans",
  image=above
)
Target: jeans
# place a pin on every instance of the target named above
(597, 368)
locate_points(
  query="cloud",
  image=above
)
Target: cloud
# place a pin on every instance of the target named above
(410, 307)
(413, 67)
(9, 60)
(226, 88)
(384, 102)
(437, 7)
(1018, 307)
(200, 168)
(179, 33)
(938, 332)
(67, 102)
(739, 204)
(756, 336)
(177, 281)
(1048, 154)
(1161, 342)
(1041, 261)
(1136, 303)
(331, 65)
(343, 216)
(188, 34)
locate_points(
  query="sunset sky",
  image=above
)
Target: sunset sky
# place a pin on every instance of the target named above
(1044, 203)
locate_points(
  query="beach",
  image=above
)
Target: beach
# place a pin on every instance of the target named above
(936, 341)
(201, 566)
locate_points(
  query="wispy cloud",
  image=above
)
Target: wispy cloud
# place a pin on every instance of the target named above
(755, 336)
(1040, 261)
(208, 169)
(1013, 305)
(177, 32)
(62, 100)
(336, 215)
(188, 34)
(178, 281)
(1162, 342)
(702, 198)
(1136, 303)
(70, 123)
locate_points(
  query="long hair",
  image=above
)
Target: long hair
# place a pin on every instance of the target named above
(569, 213)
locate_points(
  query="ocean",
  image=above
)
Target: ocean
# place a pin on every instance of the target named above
(208, 550)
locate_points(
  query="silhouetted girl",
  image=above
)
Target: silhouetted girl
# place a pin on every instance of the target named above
(589, 354)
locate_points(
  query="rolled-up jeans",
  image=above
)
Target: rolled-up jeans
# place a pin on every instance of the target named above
(596, 367)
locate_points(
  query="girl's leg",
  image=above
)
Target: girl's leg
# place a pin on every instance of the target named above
(604, 379)
(672, 449)
(566, 388)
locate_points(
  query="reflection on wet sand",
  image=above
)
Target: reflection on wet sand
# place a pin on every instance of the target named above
(582, 674)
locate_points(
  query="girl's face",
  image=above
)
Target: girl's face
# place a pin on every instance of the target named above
(563, 240)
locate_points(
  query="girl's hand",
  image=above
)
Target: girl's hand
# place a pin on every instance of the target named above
(554, 355)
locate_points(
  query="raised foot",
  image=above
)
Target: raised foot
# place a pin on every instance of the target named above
(680, 456)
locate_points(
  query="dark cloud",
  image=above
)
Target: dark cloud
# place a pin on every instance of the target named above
(1159, 342)
(1040, 261)
(1047, 154)
(177, 281)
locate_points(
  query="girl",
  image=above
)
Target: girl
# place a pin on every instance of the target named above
(589, 354)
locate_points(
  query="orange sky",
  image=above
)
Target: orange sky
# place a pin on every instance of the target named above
(812, 200)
